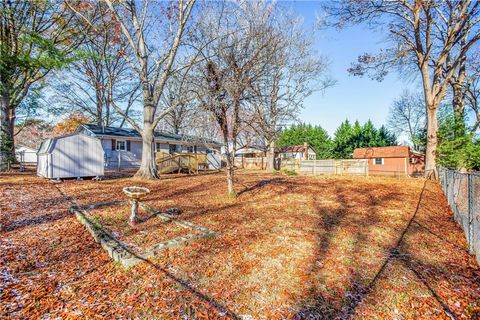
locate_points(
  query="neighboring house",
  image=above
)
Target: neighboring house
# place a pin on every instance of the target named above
(250, 158)
(123, 146)
(393, 160)
(301, 152)
(26, 155)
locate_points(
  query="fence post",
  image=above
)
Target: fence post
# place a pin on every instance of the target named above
(470, 213)
(445, 179)
(446, 185)
(451, 201)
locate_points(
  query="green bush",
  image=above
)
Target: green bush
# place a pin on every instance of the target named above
(289, 172)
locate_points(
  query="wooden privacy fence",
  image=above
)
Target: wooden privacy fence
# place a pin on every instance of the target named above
(357, 167)
(251, 163)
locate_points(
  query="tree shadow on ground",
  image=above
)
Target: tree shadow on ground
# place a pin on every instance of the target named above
(321, 305)
(263, 183)
(36, 220)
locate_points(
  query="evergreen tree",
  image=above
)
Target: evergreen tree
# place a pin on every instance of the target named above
(386, 138)
(342, 143)
(369, 135)
(457, 151)
(348, 138)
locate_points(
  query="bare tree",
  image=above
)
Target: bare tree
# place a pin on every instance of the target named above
(91, 84)
(432, 37)
(458, 85)
(471, 89)
(407, 117)
(294, 71)
(181, 103)
(154, 32)
(235, 52)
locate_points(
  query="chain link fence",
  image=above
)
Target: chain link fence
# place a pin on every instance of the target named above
(463, 193)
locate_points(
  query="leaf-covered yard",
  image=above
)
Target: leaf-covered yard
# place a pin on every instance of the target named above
(288, 247)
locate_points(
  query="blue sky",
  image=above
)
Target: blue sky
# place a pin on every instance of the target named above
(352, 97)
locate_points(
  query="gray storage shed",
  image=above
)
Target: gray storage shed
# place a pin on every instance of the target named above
(70, 156)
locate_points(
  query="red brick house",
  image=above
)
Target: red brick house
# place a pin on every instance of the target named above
(393, 160)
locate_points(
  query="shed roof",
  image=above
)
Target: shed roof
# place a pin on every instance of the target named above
(382, 152)
(47, 145)
(104, 131)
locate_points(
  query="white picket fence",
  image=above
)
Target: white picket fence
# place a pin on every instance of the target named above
(355, 167)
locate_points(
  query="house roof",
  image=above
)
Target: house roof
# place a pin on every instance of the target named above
(299, 148)
(103, 131)
(382, 152)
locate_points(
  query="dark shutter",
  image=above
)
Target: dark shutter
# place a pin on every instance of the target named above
(113, 144)
(128, 145)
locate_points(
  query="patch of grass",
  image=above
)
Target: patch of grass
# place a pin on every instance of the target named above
(289, 172)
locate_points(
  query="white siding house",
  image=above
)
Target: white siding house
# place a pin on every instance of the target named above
(123, 146)
(300, 152)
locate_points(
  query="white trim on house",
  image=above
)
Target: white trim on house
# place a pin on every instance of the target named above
(120, 142)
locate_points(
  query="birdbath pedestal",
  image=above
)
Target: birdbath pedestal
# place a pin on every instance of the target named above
(135, 194)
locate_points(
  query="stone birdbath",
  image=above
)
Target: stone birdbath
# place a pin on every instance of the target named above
(135, 194)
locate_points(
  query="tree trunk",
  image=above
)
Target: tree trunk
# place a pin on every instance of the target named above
(7, 123)
(271, 156)
(458, 104)
(148, 167)
(230, 158)
(430, 154)
(99, 115)
(107, 115)
(230, 175)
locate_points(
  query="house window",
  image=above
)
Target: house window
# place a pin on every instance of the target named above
(121, 145)
(158, 147)
(378, 161)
